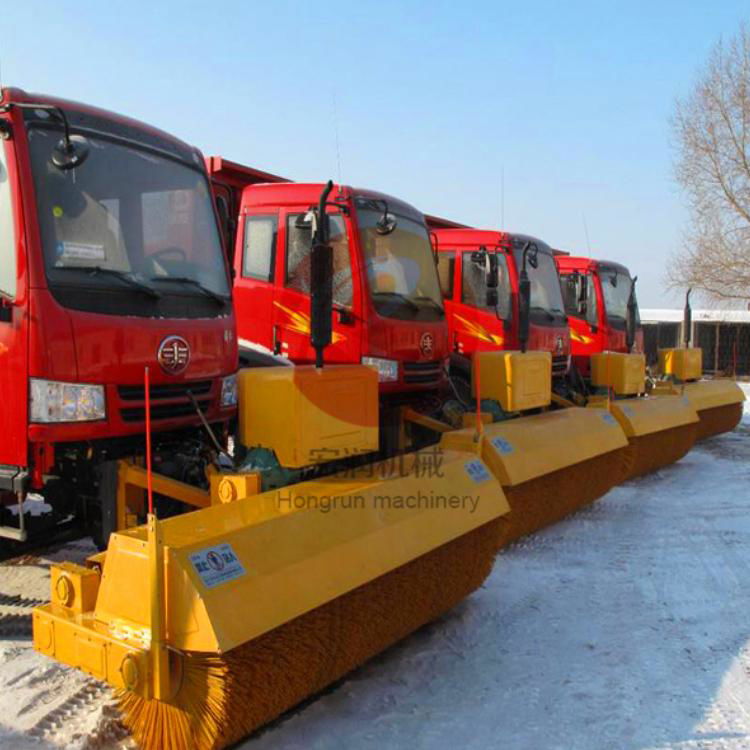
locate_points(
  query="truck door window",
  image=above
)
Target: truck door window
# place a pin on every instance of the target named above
(474, 284)
(571, 285)
(259, 246)
(7, 239)
(446, 268)
(298, 248)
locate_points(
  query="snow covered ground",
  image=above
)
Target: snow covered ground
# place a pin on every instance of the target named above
(626, 626)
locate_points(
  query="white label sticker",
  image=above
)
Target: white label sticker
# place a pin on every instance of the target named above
(475, 469)
(217, 565)
(80, 251)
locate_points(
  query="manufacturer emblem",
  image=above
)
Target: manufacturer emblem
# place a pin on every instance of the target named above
(173, 355)
(559, 344)
(426, 344)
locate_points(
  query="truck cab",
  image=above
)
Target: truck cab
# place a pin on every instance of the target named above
(110, 262)
(474, 324)
(388, 311)
(596, 295)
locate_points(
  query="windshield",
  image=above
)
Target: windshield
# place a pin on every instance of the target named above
(616, 292)
(546, 295)
(126, 216)
(401, 270)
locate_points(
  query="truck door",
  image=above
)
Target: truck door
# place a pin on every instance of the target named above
(582, 309)
(292, 298)
(255, 270)
(14, 382)
(446, 268)
(478, 327)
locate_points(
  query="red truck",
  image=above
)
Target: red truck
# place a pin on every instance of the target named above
(388, 310)
(110, 262)
(596, 294)
(477, 324)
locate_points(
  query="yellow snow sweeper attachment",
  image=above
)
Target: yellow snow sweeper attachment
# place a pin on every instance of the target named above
(549, 463)
(212, 623)
(717, 402)
(660, 431)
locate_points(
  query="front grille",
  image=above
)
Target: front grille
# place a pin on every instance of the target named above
(559, 364)
(163, 411)
(166, 390)
(423, 373)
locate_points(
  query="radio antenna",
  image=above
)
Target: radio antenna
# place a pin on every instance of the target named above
(336, 134)
(586, 232)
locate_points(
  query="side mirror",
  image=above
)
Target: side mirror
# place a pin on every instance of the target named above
(524, 304)
(630, 320)
(321, 281)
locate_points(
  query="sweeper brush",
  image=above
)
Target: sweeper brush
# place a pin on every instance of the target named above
(549, 465)
(718, 403)
(212, 623)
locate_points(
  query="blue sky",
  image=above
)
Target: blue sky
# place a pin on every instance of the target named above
(432, 101)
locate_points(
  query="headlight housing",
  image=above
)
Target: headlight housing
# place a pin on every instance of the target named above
(387, 368)
(229, 391)
(52, 401)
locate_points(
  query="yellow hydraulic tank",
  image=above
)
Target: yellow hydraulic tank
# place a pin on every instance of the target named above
(683, 364)
(517, 380)
(624, 373)
(308, 415)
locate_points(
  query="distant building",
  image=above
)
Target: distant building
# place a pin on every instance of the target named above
(723, 335)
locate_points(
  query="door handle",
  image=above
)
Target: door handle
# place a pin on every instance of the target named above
(276, 342)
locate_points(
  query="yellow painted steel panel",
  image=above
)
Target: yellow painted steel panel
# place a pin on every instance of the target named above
(518, 450)
(709, 394)
(518, 381)
(624, 373)
(644, 416)
(683, 364)
(288, 551)
(307, 415)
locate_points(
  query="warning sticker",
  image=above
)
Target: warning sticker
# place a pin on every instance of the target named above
(217, 565)
(609, 419)
(475, 469)
(80, 251)
(627, 410)
(502, 445)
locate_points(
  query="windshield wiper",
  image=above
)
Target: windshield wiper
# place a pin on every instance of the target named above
(539, 308)
(399, 296)
(122, 275)
(210, 293)
(430, 301)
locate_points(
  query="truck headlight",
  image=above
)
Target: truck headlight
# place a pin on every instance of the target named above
(66, 402)
(229, 391)
(387, 368)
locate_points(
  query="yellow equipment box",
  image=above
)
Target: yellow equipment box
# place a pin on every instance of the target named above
(624, 373)
(307, 415)
(517, 380)
(683, 364)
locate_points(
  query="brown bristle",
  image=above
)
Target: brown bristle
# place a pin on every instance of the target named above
(549, 498)
(719, 419)
(647, 453)
(222, 699)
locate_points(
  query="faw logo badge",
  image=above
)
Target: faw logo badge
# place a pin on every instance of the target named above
(426, 344)
(173, 355)
(560, 345)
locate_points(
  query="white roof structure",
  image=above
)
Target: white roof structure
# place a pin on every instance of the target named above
(699, 316)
